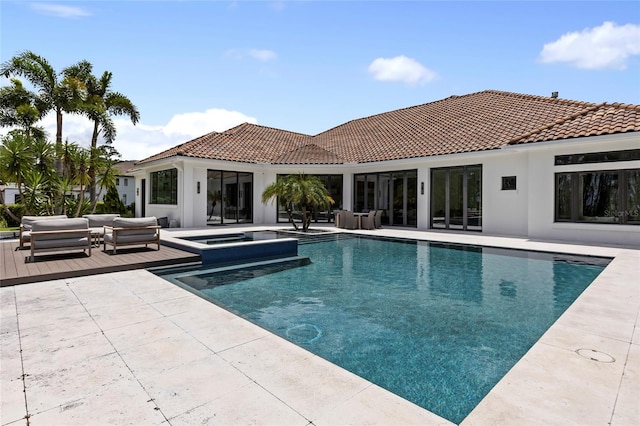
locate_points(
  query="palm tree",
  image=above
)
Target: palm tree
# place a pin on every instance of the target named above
(14, 162)
(15, 158)
(302, 192)
(35, 198)
(100, 105)
(63, 94)
(21, 108)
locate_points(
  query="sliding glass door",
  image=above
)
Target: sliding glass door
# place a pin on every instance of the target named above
(456, 198)
(229, 197)
(395, 193)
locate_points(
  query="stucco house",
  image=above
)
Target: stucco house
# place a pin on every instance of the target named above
(125, 182)
(494, 162)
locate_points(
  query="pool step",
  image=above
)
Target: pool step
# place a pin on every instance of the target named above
(203, 276)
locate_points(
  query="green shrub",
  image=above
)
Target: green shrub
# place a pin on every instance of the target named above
(16, 209)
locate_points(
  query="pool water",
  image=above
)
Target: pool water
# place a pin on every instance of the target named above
(436, 324)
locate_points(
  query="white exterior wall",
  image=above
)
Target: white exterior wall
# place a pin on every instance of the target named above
(542, 186)
(158, 210)
(527, 211)
(505, 212)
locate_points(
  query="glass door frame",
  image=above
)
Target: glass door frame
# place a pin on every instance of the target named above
(381, 186)
(466, 226)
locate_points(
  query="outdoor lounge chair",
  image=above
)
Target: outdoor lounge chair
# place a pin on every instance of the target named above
(60, 234)
(131, 231)
(97, 223)
(26, 223)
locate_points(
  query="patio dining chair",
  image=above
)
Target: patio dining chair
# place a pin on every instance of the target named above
(378, 219)
(368, 221)
(348, 220)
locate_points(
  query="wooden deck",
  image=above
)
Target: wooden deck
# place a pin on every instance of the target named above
(16, 268)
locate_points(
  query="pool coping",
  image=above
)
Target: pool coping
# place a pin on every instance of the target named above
(554, 383)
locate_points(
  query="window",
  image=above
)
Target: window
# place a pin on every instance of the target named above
(598, 157)
(117, 181)
(508, 183)
(611, 196)
(126, 182)
(164, 187)
(124, 199)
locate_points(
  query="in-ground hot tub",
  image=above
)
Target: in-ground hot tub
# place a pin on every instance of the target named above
(227, 249)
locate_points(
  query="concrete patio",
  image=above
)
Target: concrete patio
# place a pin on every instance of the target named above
(131, 348)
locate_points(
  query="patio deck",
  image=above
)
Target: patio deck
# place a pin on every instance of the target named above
(130, 347)
(57, 265)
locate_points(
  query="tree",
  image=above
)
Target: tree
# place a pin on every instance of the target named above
(63, 94)
(112, 201)
(15, 158)
(14, 161)
(104, 164)
(21, 108)
(99, 106)
(302, 192)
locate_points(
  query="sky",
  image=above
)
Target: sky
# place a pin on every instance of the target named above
(193, 67)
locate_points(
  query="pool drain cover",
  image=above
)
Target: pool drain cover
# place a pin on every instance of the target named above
(594, 355)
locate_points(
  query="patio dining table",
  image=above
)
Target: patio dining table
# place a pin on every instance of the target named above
(359, 216)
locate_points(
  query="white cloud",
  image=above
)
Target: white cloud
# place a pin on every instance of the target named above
(262, 55)
(60, 11)
(194, 124)
(142, 141)
(606, 46)
(401, 68)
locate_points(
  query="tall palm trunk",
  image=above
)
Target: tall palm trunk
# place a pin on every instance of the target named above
(92, 165)
(58, 163)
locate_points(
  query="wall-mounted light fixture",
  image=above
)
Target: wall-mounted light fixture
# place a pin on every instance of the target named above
(421, 188)
(138, 191)
(198, 187)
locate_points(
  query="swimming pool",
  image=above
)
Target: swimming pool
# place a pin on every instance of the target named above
(436, 324)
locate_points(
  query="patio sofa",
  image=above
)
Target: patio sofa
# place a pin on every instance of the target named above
(131, 231)
(60, 234)
(26, 223)
(97, 223)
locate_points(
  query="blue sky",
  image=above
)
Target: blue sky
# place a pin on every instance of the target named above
(193, 67)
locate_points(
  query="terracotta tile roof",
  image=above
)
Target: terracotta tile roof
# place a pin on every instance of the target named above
(475, 122)
(123, 167)
(602, 119)
(248, 143)
(308, 154)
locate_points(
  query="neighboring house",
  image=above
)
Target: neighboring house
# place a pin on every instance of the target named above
(125, 182)
(10, 193)
(494, 162)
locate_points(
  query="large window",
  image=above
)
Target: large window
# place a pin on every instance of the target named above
(164, 187)
(611, 196)
(229, 197)
(456, 198)
(394, 193)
